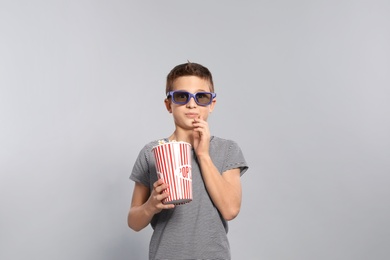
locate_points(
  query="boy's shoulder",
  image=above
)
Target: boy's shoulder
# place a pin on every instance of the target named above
(147, 147)
(155, 142)
(219, 142)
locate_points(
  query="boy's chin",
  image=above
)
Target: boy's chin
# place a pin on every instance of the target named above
(187, 127)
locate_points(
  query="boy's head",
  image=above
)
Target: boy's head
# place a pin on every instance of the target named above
(189, 69)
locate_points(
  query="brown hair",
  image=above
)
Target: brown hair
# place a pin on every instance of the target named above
(189, 69)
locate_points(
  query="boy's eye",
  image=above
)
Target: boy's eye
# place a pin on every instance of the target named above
(203, 97)
(181, 96)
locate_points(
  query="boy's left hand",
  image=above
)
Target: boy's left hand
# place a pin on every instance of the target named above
(201, 136)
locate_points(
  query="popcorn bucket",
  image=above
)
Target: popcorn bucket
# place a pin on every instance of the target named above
(173, 165)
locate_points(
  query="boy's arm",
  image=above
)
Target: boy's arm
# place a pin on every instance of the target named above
(224, 190)
(144, 205)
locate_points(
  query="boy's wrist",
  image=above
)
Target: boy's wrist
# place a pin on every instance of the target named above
(149, 210)
(203, 157)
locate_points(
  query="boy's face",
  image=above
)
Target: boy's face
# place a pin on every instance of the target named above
(184, 114)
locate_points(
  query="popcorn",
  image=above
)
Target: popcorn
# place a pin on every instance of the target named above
(162, 141)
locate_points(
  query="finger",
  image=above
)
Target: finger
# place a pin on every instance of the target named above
(200, 130)
(161, 187)
(199, 124)
(166, 206)
(162, 196)
(196, 133)
(198, 119)
(202, 124)
(158, 183)
(169, 206)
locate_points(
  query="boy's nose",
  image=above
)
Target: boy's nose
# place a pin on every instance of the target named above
(191, 102)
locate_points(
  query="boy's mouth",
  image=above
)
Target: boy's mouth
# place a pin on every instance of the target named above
(191, 115)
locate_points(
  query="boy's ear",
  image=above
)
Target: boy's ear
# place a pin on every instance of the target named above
(168, 105)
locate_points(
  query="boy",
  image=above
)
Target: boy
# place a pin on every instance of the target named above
(198, 229)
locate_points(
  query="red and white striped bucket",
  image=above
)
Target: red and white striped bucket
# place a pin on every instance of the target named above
(173, 165)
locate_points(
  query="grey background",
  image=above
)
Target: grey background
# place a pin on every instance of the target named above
(303, 87)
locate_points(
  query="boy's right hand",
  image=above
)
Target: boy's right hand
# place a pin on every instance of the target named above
(155, 200)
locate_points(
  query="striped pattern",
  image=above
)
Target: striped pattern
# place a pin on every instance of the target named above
(173, 165)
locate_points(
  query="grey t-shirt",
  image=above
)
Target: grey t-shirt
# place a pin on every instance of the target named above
(194, 230)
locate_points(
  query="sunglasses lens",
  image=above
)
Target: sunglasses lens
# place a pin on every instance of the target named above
(180, 97)
(203, 98)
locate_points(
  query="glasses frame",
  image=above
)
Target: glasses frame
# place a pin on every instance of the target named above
(190, 95)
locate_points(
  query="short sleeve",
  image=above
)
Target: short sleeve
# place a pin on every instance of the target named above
(235, 158)
(141, 168)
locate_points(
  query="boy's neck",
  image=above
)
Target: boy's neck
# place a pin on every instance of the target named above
(182, 135)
